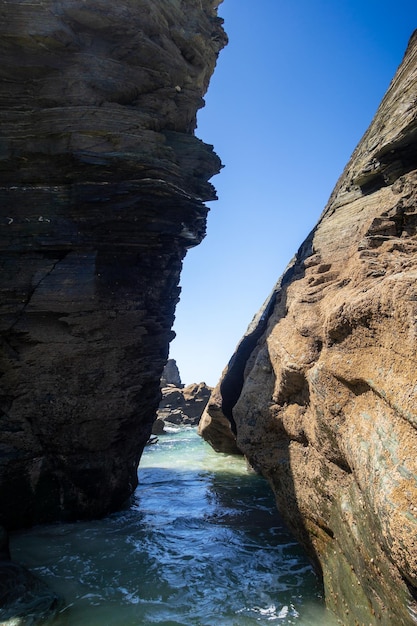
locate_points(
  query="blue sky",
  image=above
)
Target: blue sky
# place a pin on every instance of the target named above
(292, 95)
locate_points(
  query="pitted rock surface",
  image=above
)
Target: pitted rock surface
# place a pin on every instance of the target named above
(321, 393)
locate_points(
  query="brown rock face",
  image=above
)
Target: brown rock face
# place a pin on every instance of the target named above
(102, 185)
(321, 394)
(182, 405)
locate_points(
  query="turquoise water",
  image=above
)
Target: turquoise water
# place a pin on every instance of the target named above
(200, 545)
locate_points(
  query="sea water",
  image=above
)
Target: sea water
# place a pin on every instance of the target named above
(201, 544)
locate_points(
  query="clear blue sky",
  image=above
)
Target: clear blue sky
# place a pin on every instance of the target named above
(291, 96)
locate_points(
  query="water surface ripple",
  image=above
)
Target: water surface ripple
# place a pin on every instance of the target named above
(201, 544)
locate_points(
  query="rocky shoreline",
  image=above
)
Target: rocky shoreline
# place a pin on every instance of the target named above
(180, 405)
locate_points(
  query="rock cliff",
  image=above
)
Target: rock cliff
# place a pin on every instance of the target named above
(321, 393)
(102, 191)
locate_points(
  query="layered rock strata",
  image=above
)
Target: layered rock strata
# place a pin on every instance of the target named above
(102, 190)
(321, 393)
(180, 404)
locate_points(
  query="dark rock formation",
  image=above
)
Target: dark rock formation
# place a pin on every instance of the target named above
(171, 375)
(102, 184)
(24, 599)
(321, 394)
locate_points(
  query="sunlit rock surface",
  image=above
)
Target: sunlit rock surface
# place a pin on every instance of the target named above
(180, 404)
(102, 190)
(321, 393)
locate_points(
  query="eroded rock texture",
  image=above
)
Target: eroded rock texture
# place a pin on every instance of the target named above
(102, 184)
(321, 394)
(181, 405)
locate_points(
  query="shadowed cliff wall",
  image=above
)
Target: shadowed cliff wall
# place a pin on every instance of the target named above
(102, 190)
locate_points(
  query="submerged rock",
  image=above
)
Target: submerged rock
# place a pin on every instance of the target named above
(321, 393)
(25, 600)
(102, 191)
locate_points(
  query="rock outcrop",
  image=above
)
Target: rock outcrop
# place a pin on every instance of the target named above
(321, 393)
(102, 191)
(171, 375)
(181, 405)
